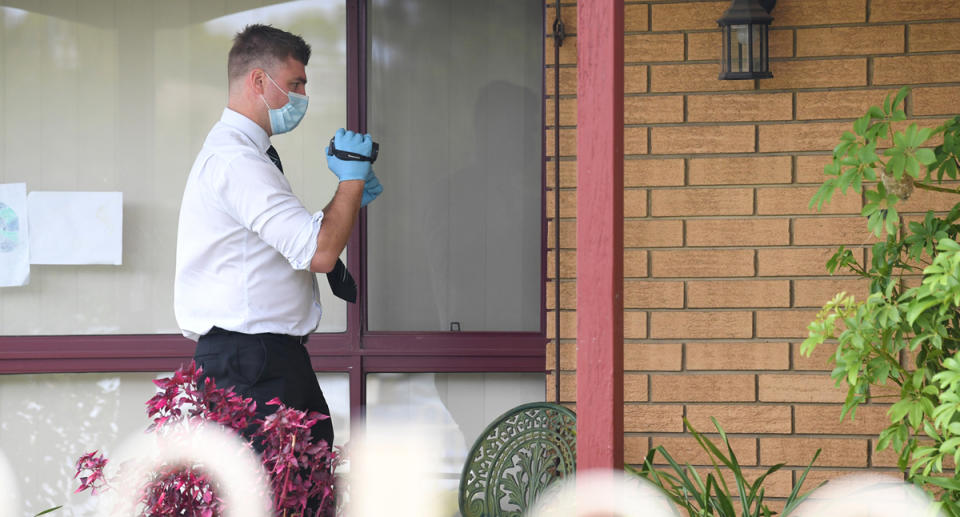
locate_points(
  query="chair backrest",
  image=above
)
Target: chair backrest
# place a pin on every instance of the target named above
(516, 457)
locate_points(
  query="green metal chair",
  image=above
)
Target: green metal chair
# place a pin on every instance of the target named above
(516, 457)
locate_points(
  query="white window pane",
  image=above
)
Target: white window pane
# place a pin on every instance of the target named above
(118, 95)
(454, 97)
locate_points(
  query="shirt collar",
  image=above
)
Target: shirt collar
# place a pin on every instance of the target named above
(251, 129)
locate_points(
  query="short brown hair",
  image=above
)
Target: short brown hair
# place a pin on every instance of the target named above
(261, 46)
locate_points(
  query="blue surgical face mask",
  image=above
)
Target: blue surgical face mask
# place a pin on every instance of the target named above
(286, 117)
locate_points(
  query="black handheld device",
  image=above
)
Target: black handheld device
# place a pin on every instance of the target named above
(353, 157)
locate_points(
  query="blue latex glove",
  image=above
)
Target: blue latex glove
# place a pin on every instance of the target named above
(355, 143)
(371, 189)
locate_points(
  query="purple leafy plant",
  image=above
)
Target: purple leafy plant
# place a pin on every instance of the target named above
(300, 469)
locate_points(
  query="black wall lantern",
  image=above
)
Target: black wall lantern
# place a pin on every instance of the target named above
(745, 26)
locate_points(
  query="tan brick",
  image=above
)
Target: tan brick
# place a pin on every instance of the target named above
(784, 324)
(686, 450)
(740, 418)
(810, 167)
(568, 80)
(652, 356)
(884, 458)
(568, 325)
(568, 387)
(923, 200)
(688, 387)
(653, 418)
(635, 449)
(849, 41)
(568, 52)
(835, 452)
(634, 79)
(816, 293)
(738, 232)
(715, 294)
(644, 294)
(635, 387)
(819, 12)
(652, 47)
(634, 202)
(652, 233)
(811, 136)
(568, 356)
(933, 68)
(701, 263)
(653, 172)
(740, 171)
(896, 10)
(568, 113)
(636, 173)
(568, 264)
(568, 142)
(819, 360)
(568, 172)
(653, 109)
(701, 325)
(825, 419)
(841, 104)
(702, 201)
(634, 324)
(568, 204)
(634, 18)
(798, 261)
(685, 16)
(705, 46)
(698, 139)
(936, 101)
(634, 263)
(795, 201)
(692, 78)
(634, 141)
(568, 295)
(747, 107)
(568, 234)
(932, 37)
(832, 230)
(821, 73)
(738, 356)
(786, 387)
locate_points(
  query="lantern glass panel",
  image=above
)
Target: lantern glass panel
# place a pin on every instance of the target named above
(740, 48)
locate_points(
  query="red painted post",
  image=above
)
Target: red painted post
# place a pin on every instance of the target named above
(599, 234)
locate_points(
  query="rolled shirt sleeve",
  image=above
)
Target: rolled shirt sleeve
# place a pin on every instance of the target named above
(260, 198)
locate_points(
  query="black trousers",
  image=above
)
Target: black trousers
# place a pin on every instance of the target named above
(261, 367)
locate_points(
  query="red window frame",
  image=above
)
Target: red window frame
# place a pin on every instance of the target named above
(356, 351)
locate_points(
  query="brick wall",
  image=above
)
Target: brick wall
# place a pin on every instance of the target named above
(724, 264)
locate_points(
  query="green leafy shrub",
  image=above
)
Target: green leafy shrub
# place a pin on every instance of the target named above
(712, 496)
(914, 279)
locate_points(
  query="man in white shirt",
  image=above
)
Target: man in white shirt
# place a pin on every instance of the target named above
(247, 249)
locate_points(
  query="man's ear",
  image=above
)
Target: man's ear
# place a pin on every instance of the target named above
(255, 80)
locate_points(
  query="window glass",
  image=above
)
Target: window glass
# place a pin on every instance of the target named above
(454, 97)
(454, 408)
(118, 95)
(47, 421)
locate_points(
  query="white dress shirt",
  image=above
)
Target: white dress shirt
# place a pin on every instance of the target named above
(245, 241)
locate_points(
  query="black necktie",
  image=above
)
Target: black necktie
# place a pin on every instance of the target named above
(341, 281)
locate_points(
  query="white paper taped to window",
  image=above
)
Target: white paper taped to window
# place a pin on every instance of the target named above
(14, 241)
(76, 227)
